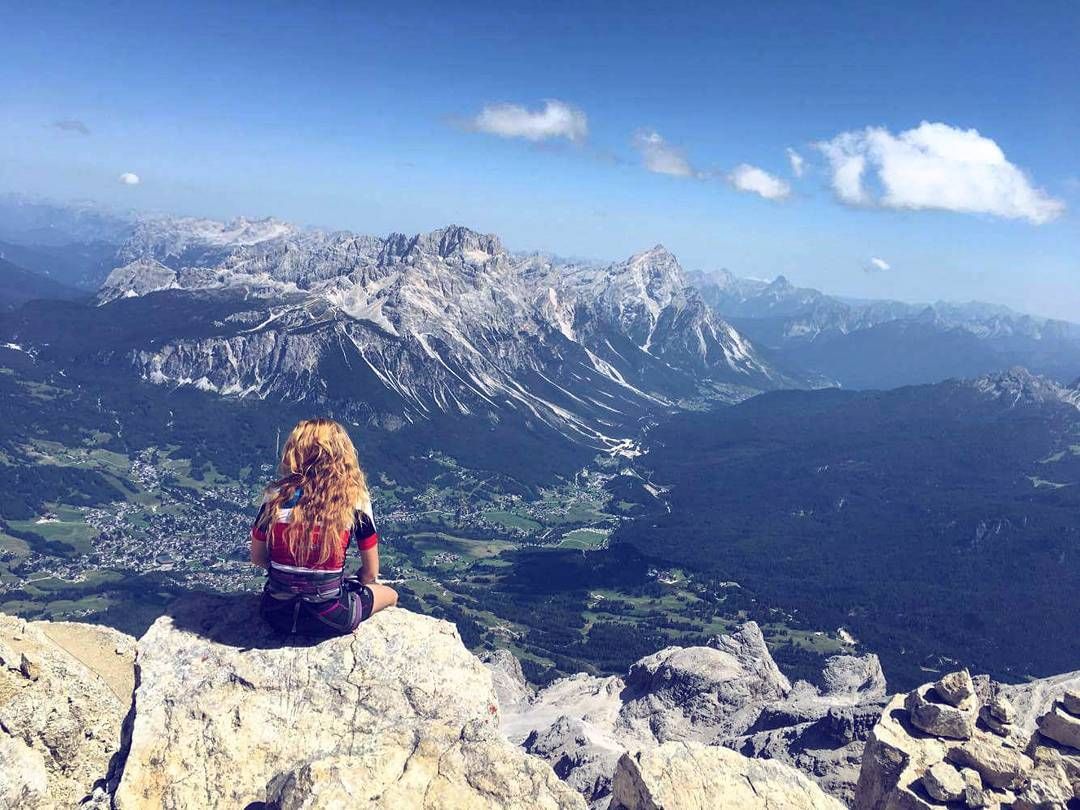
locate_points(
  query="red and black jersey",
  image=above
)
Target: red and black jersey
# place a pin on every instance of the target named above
(281, 559)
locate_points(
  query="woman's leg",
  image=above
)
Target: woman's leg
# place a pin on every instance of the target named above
(384, 596)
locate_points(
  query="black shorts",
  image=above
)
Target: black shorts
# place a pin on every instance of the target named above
(288, 613)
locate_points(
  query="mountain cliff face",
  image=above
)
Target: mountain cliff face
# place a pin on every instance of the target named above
(449, 322)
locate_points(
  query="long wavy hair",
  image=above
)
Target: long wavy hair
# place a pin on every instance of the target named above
(319, 458)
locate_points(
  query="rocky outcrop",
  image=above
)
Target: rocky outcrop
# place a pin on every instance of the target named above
(397, 714)
(510, 684)
(691, 776)
(728, 693)
(821, 729)
(65, 689)
(938, 746)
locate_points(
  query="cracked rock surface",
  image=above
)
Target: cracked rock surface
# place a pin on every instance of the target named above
(691, 776)
(398, 714)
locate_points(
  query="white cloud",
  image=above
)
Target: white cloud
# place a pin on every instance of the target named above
(129, 179)
(876, 264)
(758, 181)
(557, 119)
(661, 157)
(934, 166)
(797, 161)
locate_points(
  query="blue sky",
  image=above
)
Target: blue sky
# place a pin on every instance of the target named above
(373, 119)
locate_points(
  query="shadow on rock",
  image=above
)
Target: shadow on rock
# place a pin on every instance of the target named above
(233, 620)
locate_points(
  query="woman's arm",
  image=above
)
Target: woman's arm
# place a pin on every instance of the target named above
(259, 555)
(369, 562)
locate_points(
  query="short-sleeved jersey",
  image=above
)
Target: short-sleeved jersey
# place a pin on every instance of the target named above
(362, 532)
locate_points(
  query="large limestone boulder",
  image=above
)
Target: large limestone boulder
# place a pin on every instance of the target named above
(228, 714)
(65, 689)
(475, 771)
(691, 776)
(701, 693)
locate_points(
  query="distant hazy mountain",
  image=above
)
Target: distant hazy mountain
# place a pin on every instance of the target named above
(73, 244)
(27, 220)
(19, 285)
(884, 344)
(396, 329)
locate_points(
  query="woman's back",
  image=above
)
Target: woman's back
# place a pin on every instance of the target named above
(308, 519)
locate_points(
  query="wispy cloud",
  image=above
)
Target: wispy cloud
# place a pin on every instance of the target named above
(749, 178)
(797, 161)
(556, 119)
(129, 179)
(660, 157)
(877, 265)
(934, 166)
(72, 125)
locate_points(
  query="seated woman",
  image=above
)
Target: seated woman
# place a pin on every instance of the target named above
(309, 516)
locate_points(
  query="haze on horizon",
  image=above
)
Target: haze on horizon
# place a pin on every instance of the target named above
(915, 153)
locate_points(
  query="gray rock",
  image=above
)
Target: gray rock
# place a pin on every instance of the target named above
(9, 659)
(1070, 699)
(943, 782)
(857, 677)
(730, 693)
(59, 708)
(974, 793)
(30, 666)
(476, 771)
(1001, 709)
(987, 718)
(1060, 726)
(956, 688)
(580, 757)
(226, 710)
(699, 693)
(941, 719)
(1032, 699)
(1000, 765)
(513, 690)
(690, 776)
(24, 780)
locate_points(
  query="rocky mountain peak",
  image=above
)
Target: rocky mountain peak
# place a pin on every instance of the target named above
(451, 242)
(1018, 386)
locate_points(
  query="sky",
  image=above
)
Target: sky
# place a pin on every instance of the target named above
(918, 151)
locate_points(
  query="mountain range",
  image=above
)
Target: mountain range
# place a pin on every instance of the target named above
(886, 344)
(396, 329)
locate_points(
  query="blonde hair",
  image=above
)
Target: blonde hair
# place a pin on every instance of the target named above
(320, 459)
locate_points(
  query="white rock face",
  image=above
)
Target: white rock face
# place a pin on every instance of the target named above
(477, 771)
(225, 716)
(444, 322)
(24, 779)
(691, 776)
(60, 720)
